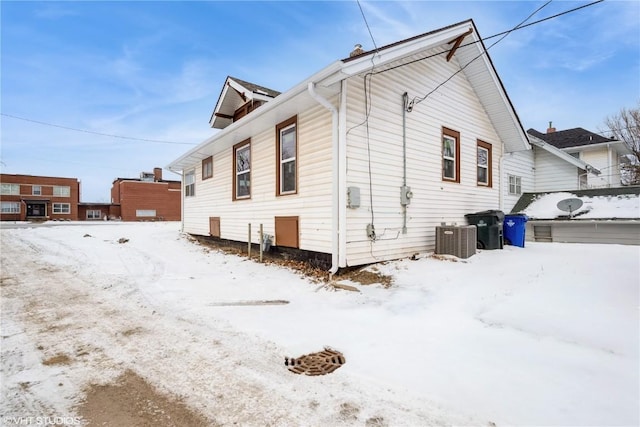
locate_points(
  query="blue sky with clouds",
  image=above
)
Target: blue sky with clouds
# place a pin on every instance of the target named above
(154, 70)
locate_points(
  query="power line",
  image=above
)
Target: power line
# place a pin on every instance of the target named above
(96, 133)
(367, 24)
(492, 36)
(484, 51)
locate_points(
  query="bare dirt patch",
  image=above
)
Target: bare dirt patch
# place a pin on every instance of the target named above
(58, 359)
(361, 275)
(132, 401)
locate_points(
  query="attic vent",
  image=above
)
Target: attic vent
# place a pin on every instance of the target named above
(357, 50)
(460, 241)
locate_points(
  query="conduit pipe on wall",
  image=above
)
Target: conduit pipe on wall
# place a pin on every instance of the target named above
(335, 190)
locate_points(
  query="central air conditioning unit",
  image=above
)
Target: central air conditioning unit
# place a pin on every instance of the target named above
(460, 241)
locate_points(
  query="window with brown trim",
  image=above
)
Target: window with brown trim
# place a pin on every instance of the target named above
(207, 168)
(287, 157)
(450, 155)
(242, 170)
(484, 164)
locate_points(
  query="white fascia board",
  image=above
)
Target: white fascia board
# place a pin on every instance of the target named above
(395, 52)
(620, 147)
(223, 94)
(562, 155)
(194, 155)
(257, 96)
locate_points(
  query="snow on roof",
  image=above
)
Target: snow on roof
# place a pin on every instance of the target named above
(623, 206)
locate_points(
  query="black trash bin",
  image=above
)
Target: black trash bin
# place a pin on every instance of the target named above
(489, 225)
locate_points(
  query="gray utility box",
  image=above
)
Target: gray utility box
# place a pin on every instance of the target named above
(460, 241)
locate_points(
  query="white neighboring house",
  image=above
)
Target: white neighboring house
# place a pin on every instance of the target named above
(360, 162)
(572, 159)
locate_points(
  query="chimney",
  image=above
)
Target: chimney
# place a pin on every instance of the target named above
(551, 129)
(157, 174)
(357, 50)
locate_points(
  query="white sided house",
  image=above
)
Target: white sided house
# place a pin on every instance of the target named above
(566, 160)
(360, 162)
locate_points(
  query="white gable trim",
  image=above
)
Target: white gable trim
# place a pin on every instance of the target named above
(562, 155)
(480, 73)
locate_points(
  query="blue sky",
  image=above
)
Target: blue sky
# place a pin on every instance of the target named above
(154, 70)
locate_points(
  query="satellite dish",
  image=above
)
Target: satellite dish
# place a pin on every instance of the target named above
(569, 205)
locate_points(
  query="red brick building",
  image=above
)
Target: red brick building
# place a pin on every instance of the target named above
(148, 198)
(24, 197)
(98, 211)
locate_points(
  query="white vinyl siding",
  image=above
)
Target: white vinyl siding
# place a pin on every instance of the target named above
(607, 163)
(454, 106)
(312, 203)
(553, 173)
(190, 183)
(517, 164)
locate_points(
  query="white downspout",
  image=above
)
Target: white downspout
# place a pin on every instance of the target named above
(335, 190)
(609, 166)
(342, 176)
(501, 178)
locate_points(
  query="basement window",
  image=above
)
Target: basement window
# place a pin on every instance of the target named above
(145, 213)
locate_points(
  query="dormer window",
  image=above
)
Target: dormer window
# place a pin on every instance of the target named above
(237, 99)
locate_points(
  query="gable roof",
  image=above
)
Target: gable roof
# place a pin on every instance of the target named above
(562, 154)
(235, 93)
(576, 137)
(472, 56)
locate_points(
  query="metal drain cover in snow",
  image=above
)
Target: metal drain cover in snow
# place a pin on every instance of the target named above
(321, 363)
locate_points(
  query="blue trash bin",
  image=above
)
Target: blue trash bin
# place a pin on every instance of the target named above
(514, 229)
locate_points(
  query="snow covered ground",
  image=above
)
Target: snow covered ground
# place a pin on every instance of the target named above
(624, 206)
(542, 335)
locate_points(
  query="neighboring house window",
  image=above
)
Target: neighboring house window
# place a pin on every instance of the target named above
(10, 207)
(10, 189)
(484, 164)
(515, 185)
(94, 214)
(450, 155)
(190, 183)
(287, 155)
(242, 170)
(36, 190)
(61, 208)
(145, 213)
(207, 168)
(61, 190)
